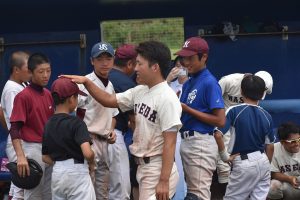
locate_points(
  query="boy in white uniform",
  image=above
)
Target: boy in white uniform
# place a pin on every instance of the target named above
(157, 111)
(99, 119)
(286, 164)
(18, 74)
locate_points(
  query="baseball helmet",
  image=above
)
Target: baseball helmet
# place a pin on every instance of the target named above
(27, 182)
(268, 80)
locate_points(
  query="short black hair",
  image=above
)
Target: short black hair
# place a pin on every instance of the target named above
(286, 129)
(37, 59)
(121, 62)
(156, 52)
(253, 87)
(17, 59)
(57, 100)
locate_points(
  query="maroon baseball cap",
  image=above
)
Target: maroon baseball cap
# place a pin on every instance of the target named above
(193, 46)
(126, 51)
(64, 87)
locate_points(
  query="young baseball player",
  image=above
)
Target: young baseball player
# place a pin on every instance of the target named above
(32, 108)
(251, 128)
(157, 115)
(203, 109)
(18, 75)
(66, 145)
(124, 63)
(285, 166)
(99, 119)
(231, 92)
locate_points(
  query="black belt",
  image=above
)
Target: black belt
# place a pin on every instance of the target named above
(184, 134)
(138, 162)
(100, 137)
(245, 156)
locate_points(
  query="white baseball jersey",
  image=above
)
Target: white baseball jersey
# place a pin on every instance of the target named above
(285, 162)
(10, 90)
(156, 110)
(231, 89)
(97, 117)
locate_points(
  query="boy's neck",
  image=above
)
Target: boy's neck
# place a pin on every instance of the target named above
(250, 101)
(62, 108)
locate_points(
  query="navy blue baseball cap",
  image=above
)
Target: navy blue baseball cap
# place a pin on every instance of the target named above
(102, 47)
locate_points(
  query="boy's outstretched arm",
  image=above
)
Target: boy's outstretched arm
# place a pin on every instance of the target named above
(106, 99)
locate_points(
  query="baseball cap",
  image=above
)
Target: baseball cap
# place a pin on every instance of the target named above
(102, 47)
(126, 51)
(64, 87)
(27, 182)
(268, 80)
(193, 46)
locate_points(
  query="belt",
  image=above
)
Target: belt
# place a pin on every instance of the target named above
(99, 137)
(185, 134)
(245, 156)
(75, 161)
(139, 161)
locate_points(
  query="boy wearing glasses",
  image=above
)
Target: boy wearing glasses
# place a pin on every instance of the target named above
(285, 166)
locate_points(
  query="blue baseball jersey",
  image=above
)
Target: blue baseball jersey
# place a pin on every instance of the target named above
(251, 127)
(203, 93)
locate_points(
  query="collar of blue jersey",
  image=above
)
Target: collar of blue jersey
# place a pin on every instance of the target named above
(200, 72)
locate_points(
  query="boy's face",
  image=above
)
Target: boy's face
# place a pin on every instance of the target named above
(193, 64)
(144, 72)
(24, 73)
(103, 64)
(292, 144)
(41, 74)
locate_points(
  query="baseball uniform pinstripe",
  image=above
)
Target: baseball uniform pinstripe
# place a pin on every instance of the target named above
(156, 109)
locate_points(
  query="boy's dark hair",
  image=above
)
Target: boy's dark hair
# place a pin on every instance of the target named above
(120, 62)
(287, 128)
(17, 59)
(37, 59)
(57, 100)
(253, 87)
(156, 52)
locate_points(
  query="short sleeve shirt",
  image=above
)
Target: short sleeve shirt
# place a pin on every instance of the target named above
(251, 127)
(156, 110)
(97, 117)
(284, 161)
(203, 93)
(63, 136)
(33, 108)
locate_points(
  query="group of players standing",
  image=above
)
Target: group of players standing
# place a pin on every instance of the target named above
(87, 159)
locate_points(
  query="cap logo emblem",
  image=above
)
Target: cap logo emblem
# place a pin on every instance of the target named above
(102, 47)
(186, 44)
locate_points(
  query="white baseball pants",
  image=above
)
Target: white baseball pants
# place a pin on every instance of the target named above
(71, 181)
(199, 158)
(249, 178)
(281, 190)
(119, 179)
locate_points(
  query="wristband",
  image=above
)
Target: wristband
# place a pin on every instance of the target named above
(224, 155)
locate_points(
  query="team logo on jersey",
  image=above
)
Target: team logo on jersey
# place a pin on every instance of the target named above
(192, 96)
(146, 111)
(102, 47)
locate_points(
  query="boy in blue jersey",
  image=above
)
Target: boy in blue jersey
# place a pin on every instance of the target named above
(251, 128)
(203, 110)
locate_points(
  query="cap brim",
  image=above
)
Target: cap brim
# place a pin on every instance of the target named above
(101, 52)
(185, 53)
(82, 93)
